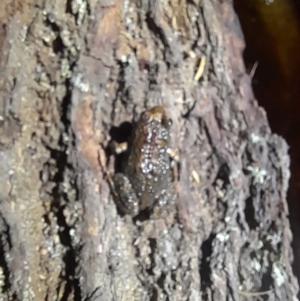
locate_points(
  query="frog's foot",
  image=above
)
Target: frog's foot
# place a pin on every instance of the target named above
(167, 196)
(125, 196)
(174, 154)
(118, 148)
(163, 198)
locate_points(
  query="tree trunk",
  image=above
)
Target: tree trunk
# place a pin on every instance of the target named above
(72, 72)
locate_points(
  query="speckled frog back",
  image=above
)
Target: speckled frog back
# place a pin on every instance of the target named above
(148, 164)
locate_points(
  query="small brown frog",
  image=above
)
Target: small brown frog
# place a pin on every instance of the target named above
(146, 170)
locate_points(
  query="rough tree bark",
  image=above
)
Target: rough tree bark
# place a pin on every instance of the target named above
(71, 73)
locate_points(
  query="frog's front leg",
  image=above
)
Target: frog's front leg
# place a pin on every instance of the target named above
(126, 197)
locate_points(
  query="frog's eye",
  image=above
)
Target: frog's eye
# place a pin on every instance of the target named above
(145, 116)
(170, 122)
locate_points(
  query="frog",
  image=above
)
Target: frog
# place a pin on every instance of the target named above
(145, 176)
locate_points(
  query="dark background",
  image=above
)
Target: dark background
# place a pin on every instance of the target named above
(272, 34)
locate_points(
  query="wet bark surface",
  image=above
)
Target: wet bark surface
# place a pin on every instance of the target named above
(72, 73)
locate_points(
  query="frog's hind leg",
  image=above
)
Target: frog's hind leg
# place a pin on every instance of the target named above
(125, 195)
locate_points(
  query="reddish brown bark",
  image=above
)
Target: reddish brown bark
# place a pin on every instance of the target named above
(71, 71)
